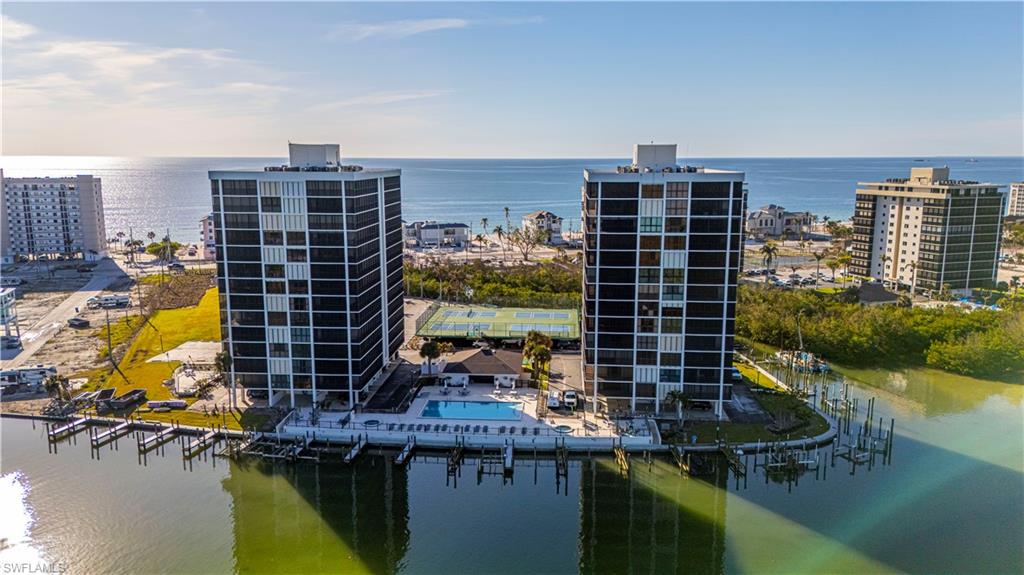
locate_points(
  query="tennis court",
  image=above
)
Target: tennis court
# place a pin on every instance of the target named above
(504, 322)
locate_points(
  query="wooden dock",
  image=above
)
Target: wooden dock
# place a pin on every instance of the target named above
(561, 462)
(199, 444)
(98, 439)
(455, 457)
(356, 449)
(508, 458)
(161, 436)
(622, 458)
(403, 457)
(67, 429)
(732, 459)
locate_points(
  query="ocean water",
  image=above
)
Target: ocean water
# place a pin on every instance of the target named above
(161, 194)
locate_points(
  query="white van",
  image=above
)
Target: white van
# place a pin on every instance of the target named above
(553, 402)
(570, 399)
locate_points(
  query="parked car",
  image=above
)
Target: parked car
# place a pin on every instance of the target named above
(702, 406)
(176, 266)
(78, 322)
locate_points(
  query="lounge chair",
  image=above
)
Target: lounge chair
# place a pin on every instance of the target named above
(437, 427)
(512, 430)
(501, 429)
(391, 427)
(485, 429)
(401, 427)
(458, 428)
(536, 431)
(444, 427)
(525, 430)
(476, 429)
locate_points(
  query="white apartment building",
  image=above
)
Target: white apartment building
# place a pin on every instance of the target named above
(208, 237)
(927, 231)
(662, 248)
(309, 267)
(1015, 206)
(52, 217)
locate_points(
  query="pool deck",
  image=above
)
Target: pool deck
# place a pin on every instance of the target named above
(386, 429)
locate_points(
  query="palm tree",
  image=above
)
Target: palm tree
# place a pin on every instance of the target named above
(913, 279)
(151, 235)
(540, 357)
(479, 239)
(681, 401)
(500, 232)
(769, 251)
(818, 256)
(508, 219)
(844, 260)
(430, 350)
(833, 264)
(483, 225)
(886, 258)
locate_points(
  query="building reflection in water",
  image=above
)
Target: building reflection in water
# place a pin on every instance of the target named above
(652, 522)
(319, 518)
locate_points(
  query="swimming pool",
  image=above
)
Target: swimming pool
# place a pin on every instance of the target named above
(499, 410)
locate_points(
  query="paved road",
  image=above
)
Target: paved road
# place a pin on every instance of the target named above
(34, 338)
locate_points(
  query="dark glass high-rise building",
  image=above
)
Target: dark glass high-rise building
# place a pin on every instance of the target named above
(662, 249)
(309, 267)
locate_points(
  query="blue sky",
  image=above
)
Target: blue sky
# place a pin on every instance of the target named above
(514, 80)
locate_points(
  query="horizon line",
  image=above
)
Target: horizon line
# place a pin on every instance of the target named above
(601, 158)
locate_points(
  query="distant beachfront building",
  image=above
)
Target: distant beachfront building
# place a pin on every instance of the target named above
(774, 221)
(927, 231)
(1015, 206)
(52, 217)
(431, 234)
(208, 237)
(547, 222)
(662, 249)
(309, 266)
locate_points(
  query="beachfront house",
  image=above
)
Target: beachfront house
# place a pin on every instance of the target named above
(500, 367)
(550, 223)
(208, 237)
(432, 234)
(774, 221)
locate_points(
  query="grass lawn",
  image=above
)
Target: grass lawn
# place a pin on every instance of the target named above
(172, 327)
(752, 432)
(166, 330)
(121, 331)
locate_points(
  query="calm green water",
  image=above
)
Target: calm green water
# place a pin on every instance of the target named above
(952, 501)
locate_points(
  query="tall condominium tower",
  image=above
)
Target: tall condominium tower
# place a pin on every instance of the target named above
(927, 231)
(52, 217)
(662, 249)
(309, 265)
